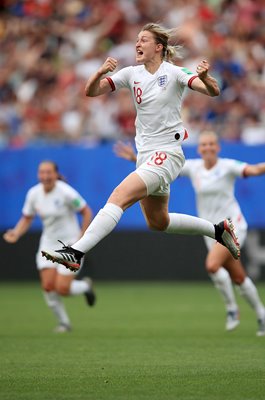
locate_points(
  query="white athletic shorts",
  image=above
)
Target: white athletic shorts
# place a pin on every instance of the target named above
(241, 233)
(158, 169)
(42, 262)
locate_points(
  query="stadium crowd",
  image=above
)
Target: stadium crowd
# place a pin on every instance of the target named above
(49, 48)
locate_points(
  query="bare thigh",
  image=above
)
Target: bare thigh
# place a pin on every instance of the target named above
(129, 191)
(155, 211)
(236, 271)
(62, 284)
(219, 257)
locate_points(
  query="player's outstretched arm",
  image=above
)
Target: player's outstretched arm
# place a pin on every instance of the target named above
(124, 150)
(12, 235)
(97, 84)
(86, 215)
(205, 83)
(255, 169)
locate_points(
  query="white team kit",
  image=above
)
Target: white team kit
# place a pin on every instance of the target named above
(214, 190)
(57, 210)
(158, 140)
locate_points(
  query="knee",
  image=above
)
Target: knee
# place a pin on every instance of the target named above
(238, 274)
(211, 266)
(238, 278)
(62, 290)
(48, 286)
(158, 224)
(238, 281)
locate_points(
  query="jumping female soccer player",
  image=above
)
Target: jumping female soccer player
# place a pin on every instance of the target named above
(157, 87)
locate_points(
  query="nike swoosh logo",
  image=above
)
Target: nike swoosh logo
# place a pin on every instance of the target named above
(136, 83)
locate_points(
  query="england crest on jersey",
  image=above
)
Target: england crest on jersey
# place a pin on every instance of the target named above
(162, 80)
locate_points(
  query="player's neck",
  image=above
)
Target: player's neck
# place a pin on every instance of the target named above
(48, 188)
(153, 65)
(208, 164)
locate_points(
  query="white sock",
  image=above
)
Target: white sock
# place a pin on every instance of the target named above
(55, 303)
(223, 283)
(249, 291)
(187, 224)
(103, 223)
(78, 287)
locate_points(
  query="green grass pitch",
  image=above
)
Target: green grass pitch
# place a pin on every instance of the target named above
(146, 340)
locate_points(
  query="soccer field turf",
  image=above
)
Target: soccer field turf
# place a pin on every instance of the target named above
(157, 341)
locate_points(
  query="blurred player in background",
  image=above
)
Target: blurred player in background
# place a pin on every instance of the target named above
(157, 88)
(57, 204)
(213, 180)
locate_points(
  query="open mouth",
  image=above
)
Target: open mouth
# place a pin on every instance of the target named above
(139, 53)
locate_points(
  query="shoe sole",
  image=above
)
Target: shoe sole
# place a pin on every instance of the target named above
(230, 240)
(62, 329)
(72, 266)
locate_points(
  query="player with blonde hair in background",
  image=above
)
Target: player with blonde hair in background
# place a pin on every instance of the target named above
(213, 180)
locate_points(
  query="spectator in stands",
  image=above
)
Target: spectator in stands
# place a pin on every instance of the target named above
(43, 43)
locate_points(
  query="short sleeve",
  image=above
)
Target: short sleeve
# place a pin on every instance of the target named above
(74, 200)
(28, 209)
(121, 78)
(236, 167)
(185, 76)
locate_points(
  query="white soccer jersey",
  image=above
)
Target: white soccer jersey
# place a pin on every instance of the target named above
(214, 189)
(57, 210)
(157, 98)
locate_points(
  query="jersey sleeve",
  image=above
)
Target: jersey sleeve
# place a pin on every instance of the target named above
(74, 200)
(120, 79)
(236, 167)
(185, 76)
(28, 209)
